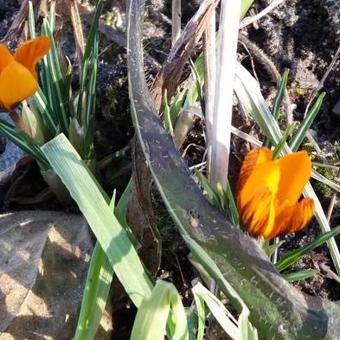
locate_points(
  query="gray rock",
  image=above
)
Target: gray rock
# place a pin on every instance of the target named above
(10, 153)
(44, 258)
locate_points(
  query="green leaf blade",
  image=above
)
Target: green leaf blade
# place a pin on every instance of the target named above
(96, 292)
(301, 275)
(89, 196)
(24, 142)
(296, 254)
(280, 95)
(152, 316)
(307, 122)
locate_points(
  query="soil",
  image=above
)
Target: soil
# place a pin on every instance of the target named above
(301, 35)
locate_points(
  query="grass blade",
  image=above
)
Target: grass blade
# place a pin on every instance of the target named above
(192, 90)
(97, 288)
(121, 211)
(221, 314)
(307, 122)
(233, 212)
(24, 142)
(31, 20)
(99, 278)
(245, 7)
(55, 81)
(88, 84)
(277, 104)
(166, 112)
(221, 198)
(52, 17)
(201, 315)
(326, 181)
(177, 105)
(89, 117)
(152, 316)
(281, 144)
(45, 111)
(90, 44)
(296, 254)
(211, 193)
(244, 326)
(112, 237)
(301, 275)
(198, 83)
(231, 326)
(280, 95)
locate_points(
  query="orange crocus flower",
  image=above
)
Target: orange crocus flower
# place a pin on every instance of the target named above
(18, 78)
(268, 193)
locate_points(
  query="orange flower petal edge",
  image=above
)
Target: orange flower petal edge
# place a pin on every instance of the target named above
(254, 157)
(18, 79)
(5, 57)
(296, 169)
(31, 51)
(268, 193)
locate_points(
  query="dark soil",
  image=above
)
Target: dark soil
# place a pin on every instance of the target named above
(301, 35)
(8, 8)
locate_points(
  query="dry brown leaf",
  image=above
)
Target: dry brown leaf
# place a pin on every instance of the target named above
(170, 74)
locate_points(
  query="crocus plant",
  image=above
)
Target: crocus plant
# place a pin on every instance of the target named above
(54, 107)
(269, 190)
(18, 78)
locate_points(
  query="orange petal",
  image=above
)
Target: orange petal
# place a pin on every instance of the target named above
(31, 51)
(304, 211)
(282, 220)
(254, 157)
(5, 57)
(295, 171)
(16, 84)
(293, 218)
(258, 214)
(264, 176)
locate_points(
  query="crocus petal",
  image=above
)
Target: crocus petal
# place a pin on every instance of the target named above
(265, 175)
(5, 57)
(31, 51)
(304, 211)
(258, 214)
(16, 84)
(282, 220)
(254, 157)
(293, 218)
(295, 171)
